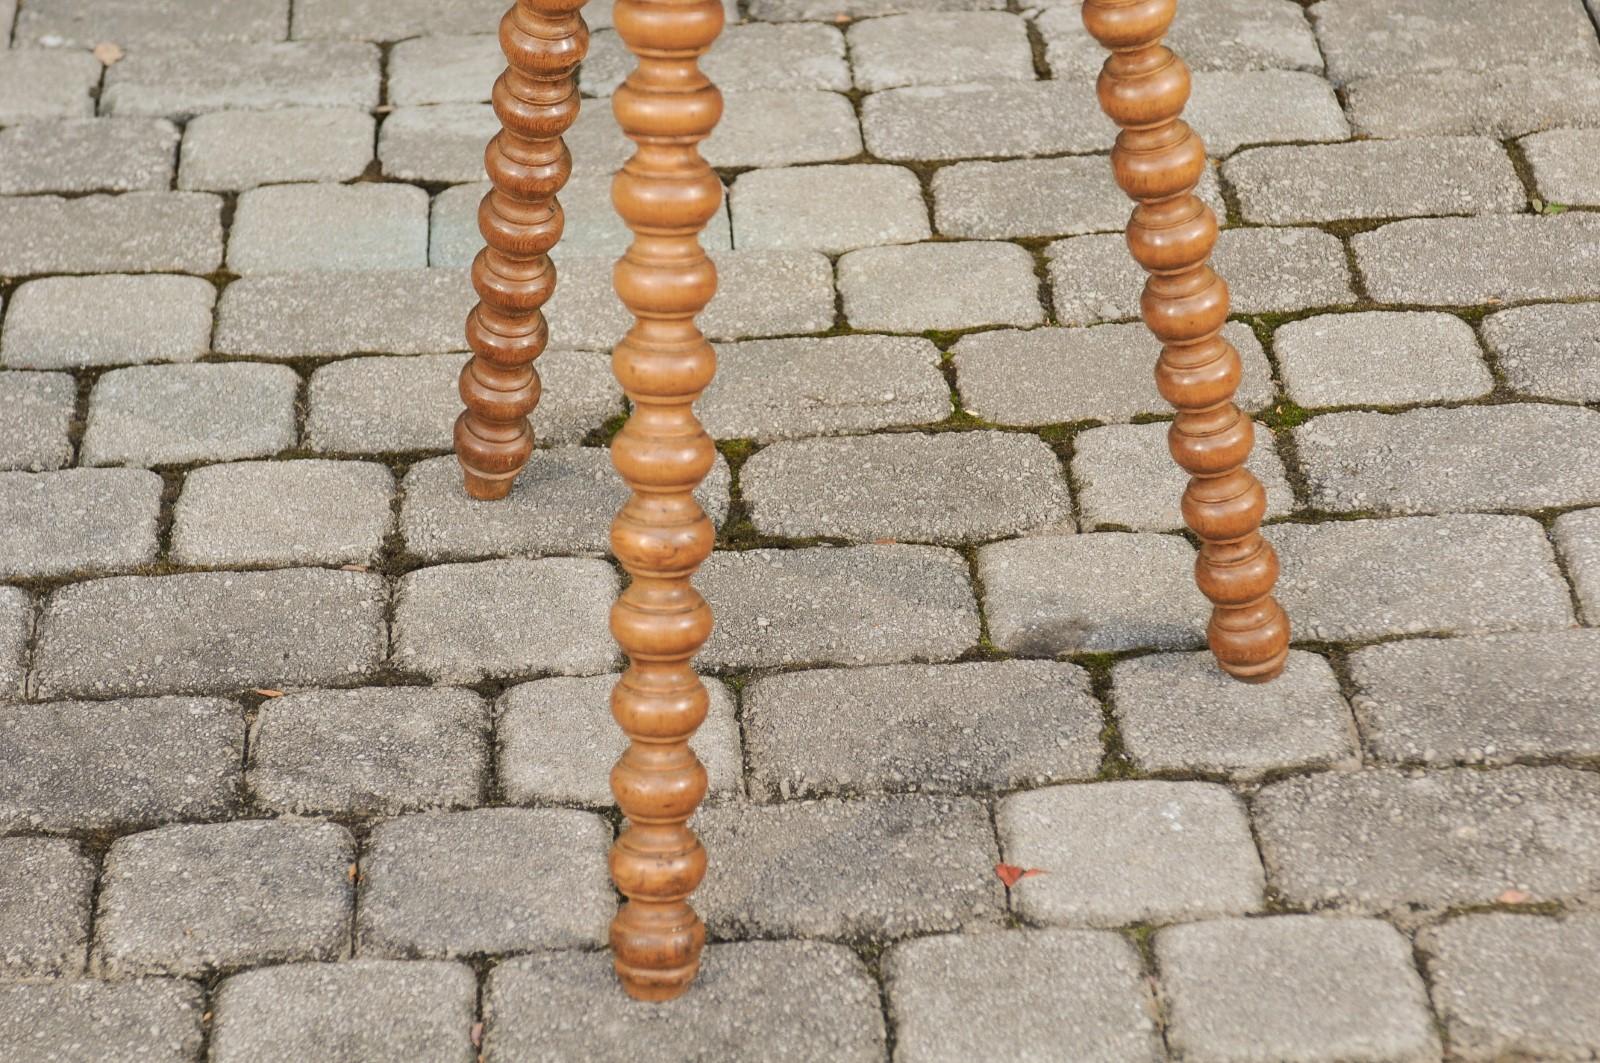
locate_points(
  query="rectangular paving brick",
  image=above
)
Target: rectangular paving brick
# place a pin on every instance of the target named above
(554, 1006)
(449, 69)
(39, 411)
(210, 632)
(134, 233)
(183, 82)
(88, 155)
(1094, 593)
(981, 121)
(1480, 700)
(46, 886)
(1218, 35)
(148, 1018)
(978, 726)
(176, 414)
(1577, 536)
(1550, 351)
(16, 629)
(1461, 261)
(1374, 179)
(1451, 575)
(828, 208)
(1560, 162)
(504, 619)
(1388, 840)
(99, 765)
(229, 151)
(141, 24)
(199, 898)
(1380, 358)
(436, 144)
(927, 286)
(750, 56)
(891, 52)
(1230, 109)
(782, 128)
(392, 20)
(77, 522)
(1504, 102)
(1130, 852)
(285, 228)
(852, 605)
(115, 319)
(384, 311)
(36, 85)
(879, 867)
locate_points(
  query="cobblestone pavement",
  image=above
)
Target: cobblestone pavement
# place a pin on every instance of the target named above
(276, 694)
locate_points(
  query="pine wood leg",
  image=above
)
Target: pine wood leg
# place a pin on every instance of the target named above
(666, 193)
(1157, 161)
(536, 100)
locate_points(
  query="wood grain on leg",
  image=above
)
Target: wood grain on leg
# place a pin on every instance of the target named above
(536, 100)
(1157, 161)
(666, 193)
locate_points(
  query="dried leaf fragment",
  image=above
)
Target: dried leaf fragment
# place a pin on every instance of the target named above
(267, 692)
(1011, 874)
(107, 53)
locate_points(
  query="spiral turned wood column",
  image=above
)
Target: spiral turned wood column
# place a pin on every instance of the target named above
(1158, 161)
(666, 193)
(536, 100)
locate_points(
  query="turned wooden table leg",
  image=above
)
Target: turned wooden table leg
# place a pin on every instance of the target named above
(536, 100)
(1158, 160)
(666, 193)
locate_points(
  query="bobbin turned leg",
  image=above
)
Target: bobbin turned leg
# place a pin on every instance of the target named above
(1158, 160)
(666, 193)
(536, 100)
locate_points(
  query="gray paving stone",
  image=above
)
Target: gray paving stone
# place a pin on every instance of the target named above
(1296, 988)
(16, 626)
(881, 867)
(182, 82)
(77, 522)
(953, 487)
(800, 10)
(68, 322)
(1362, 38)
(1091, 594)
(390, 311)
(283, 513)
(789, 388)
(8, 11)
(1464, 261)
(1038, 197)
(329, 227)
(1387, 840)
(97, 765)
(39, 411)
(1480, 700)
(983, 121)
(1181, 713)
(1217, 35)
(45, 889)
(978, 726)
(828, 208)
(363, 1010)
(448, 69)
(1267, 270)
(1550, 351)
(1126, 478)
(1130, 852)
(1560, 161)
(557, 1006)
(88, 155)
(1231, 109)
(956, 996)
(172, 414)
(781, 128)
(139, 24)
(1058, 375)
(890, 52)
(556, 741)
(39, 85)
(386, 405)
(561, 504)
(392, 20)
(231, 151)
(1380, 358)
(210, 632)
(759, 293)
(493, 880)
(1550, 1010)
(148, 1019)
(436, 144)
(198, 898)
(929, 286)
(369, 751)
(1504, 102)
(854, 605)
(1578, 537)
(747, 57)
(1518, 456)
(1462, 574)
(135, 232)
(1374, 179)
(500, 619)
(595, 141)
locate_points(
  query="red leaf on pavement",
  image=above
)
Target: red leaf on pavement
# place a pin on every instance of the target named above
(1011, 874)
